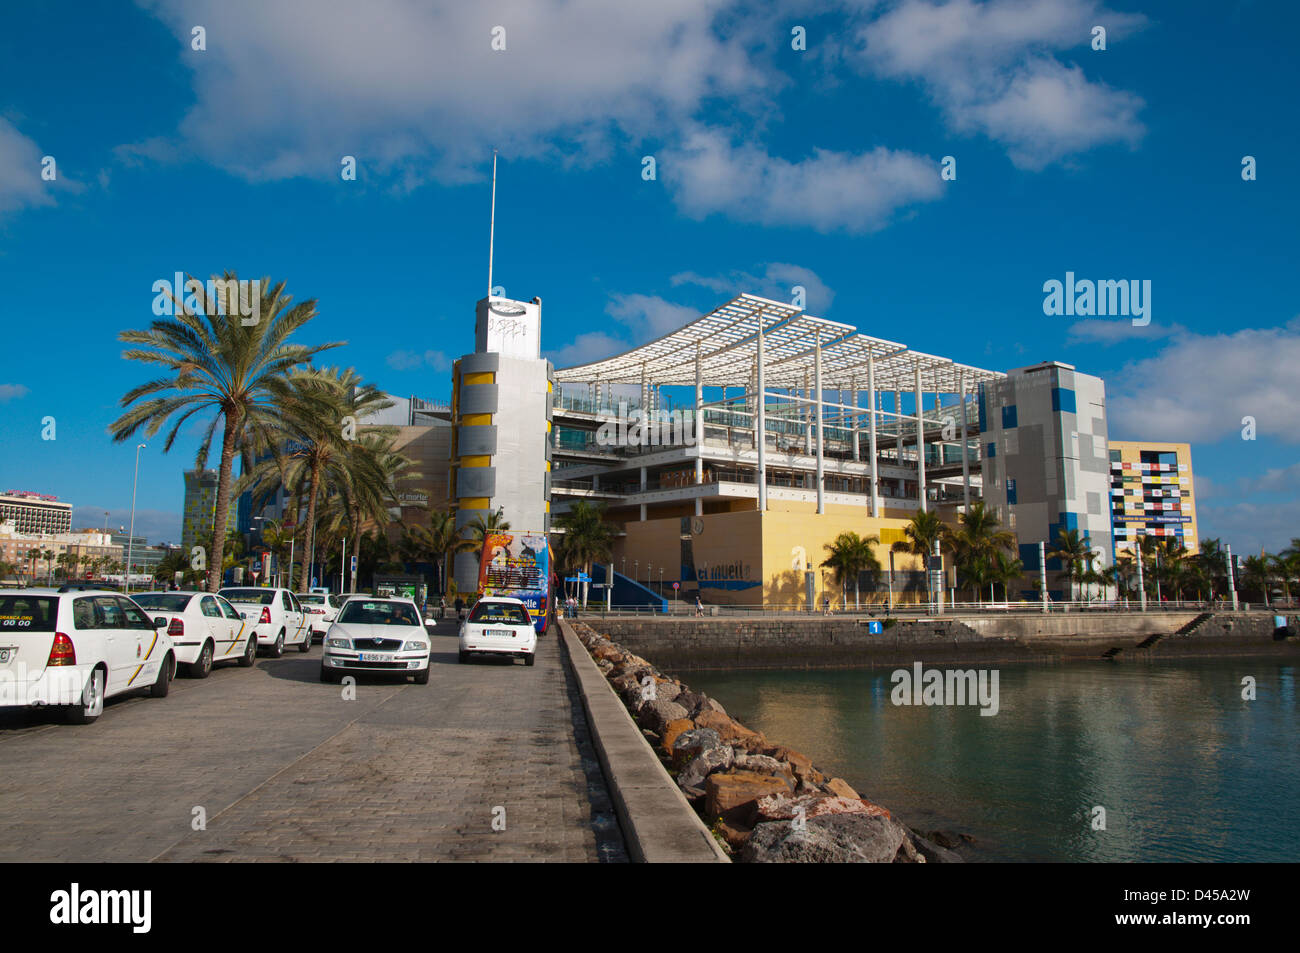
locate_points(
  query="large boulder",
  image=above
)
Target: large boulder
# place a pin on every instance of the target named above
(830, 839)
(703, 763)
(841, 788)
(931, 852)
(668, 691)
(607, 653)
(763, 764)
(779, 807)
(729, 730)
(674, 730)
(731, 795)
(656, 714)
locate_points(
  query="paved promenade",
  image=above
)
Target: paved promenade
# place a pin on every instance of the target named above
(286, 769)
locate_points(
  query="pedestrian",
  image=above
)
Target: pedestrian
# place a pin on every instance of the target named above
(442, 607)
(460, 609)
(699, 606)
(826, 605)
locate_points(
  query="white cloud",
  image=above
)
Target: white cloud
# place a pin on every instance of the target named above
(1248, 526)
(410, 360)
(777, 281)
(395, 83)
(1199, 387)
(587, 347)
(989, 67)
(827, 191)
(1119, 331)
(21, 185)
(10, 392)
(649, 316)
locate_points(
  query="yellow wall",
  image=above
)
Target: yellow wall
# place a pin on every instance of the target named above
(1130, 451)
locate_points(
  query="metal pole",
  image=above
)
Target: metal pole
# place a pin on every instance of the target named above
(343, 567)
(965, 457)
(871, 435)
(1042, 573)
(760, 424)
(492, 225)
(1232, 582)
(292, 539)
(1142, 588)
(817, 383)
(936, 575)
(920, 440)
(699, 434)
(130, 535)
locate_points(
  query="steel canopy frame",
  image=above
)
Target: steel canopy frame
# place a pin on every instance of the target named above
(725, 344)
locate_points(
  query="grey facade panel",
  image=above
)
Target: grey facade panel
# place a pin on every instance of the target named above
(479, 399)
(487, 362)
(477, 440)
(476, 481)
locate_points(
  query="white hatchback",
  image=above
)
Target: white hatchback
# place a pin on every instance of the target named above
(376, 635)
(204, 629)
(76, 648)
(499, 626)
(275, 615)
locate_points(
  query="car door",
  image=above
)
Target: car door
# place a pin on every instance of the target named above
(121, 642)
(294, 617)
(214, 623)
(234, 626)
(149, 650)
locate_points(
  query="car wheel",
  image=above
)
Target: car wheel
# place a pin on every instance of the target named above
(329, 677)
(166, 672)
(306, 643)
(203, 667)
(464, 658)
(278, 649)
(422, 676)
(530, 660)
(250, 652)
(91, 705)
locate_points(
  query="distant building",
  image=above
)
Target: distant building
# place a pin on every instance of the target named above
(143, 556)
(1046, 462)
(201, 508)
(1152, 493)
(35, 512)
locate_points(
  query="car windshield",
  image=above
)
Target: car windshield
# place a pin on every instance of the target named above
(265, 597)
(366, 612)
(28, 613)
(167, 601)
(501, 612)
(312, 600)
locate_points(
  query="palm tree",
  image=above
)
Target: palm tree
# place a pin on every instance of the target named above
(922, 532)
(1075, 553)
(1006, 568)
(975, 544)
(33, 554)
(1257, 572)
(437, 541)
(849, 556)
(217, 365)
(978, 572)
(478, 530)
(308, 433)
(587, 537)
(48, 556)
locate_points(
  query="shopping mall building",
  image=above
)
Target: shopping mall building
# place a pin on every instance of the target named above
(858, 434)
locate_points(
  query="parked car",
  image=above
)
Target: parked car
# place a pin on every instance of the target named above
(321, 609)
(76, 648)
(204, 629)
(376, 635)
(499, 626)
(276, 617)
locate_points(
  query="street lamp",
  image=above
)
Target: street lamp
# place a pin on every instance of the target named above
(130, 536)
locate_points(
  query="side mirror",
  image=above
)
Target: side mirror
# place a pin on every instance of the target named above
(159, 622)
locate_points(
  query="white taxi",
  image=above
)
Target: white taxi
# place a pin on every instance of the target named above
(74, 649)
(378, 636)
(204, 629)
(321, 608)
(499, 626)
(275, 615)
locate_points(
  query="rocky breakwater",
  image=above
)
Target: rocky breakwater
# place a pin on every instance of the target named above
(765, 802)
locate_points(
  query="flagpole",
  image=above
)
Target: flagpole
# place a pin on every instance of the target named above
(492, 225)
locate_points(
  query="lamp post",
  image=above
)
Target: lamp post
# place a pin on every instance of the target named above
(130, 536)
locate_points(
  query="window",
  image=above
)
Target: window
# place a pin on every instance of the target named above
(502, 612)
(227, 609)
(135, 619)
(210, 608)
(28, 613)
(366, 612)
(108, 613)
(285, 602)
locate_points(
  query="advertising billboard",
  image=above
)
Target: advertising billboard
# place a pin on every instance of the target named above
(518, 566)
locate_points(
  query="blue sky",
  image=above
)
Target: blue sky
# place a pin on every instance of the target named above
(775, 167)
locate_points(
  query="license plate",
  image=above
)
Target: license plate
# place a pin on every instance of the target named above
(504, 633)
(7, 654)
(375, 657)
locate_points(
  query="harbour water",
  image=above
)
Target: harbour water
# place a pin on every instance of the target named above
(1184, 767)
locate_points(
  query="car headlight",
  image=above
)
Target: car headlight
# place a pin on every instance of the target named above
(340, 643)
(415, 646)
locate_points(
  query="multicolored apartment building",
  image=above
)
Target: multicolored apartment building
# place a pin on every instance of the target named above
(1152, 492)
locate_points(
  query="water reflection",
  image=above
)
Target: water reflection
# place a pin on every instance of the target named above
(1185, 768)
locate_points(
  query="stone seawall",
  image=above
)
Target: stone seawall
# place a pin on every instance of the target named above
(818, 642)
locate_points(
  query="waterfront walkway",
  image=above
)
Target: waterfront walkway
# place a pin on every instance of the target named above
(285, 769)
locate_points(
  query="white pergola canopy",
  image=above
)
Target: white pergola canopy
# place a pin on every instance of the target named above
(725, 343)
